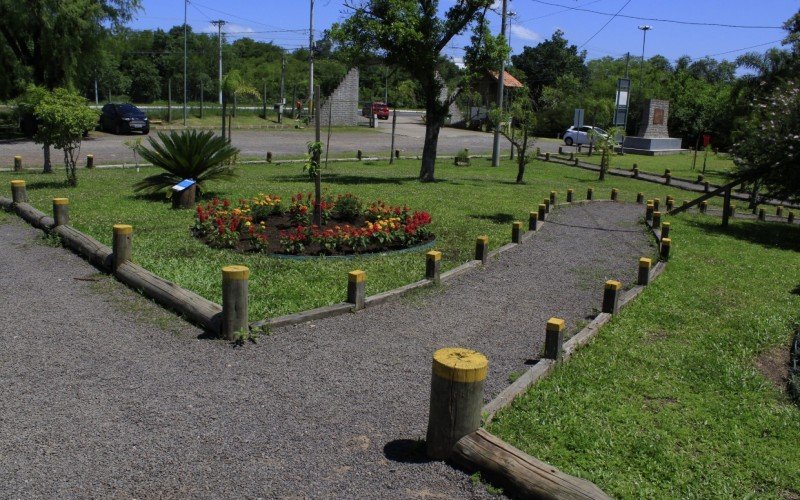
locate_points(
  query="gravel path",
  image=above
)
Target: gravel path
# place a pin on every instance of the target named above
(103, 393)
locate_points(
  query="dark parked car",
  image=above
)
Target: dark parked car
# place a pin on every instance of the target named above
(123, 119)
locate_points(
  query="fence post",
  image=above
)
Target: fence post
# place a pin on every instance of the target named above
(542, 212)
(656, 203)
(456, 398)
(17, 163)
(589, 193)
(235, 301)
(19, 193)
(89, 161)
(516, 232)
(665, 244)
(533, 221)
(614, 194)
(553, 197)
(569, 196)
(482, 249)
(656, 220)
(356, 287)
(554, 339)
(644, 271)
(665, 226)
(611, 296)
(61, 211)
(703, 207)
(121, 244)
(648, 211)
(433, 265)
(639, 198)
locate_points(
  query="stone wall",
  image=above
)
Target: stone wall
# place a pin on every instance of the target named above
(655, 116)
(342, 105)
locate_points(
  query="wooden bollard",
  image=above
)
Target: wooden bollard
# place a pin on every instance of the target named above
(569, 196)
(644, 271)
(235, 302)
(482, 249)
(17, 163)
(359, 155)
(667, 172)
(790, 218)
(639, 198)
(121, 244)
(560, 150)
(732, 211)
(670, 204)
(703, 207)
(635, 172)
(611, 296)
(685, 202)
(397, 153)
(648, 211)
(433, 265)
(665, 227)
(668, 179)
(589, 193)
(665, 244)
(269, 156)
(577, 162)
(700, 178)
(356, 288)
(656, 219)
(614, 194)
(89, 161)
(516, 232)
(533, 221)
(546, 203)
(553, 197)
(656, 203)
(61, 211)
(457, 380)
(542, 211)
(779, 211)
(762, 214)
(19, 193)
(706, 186)
(554, 339)
(547, 157)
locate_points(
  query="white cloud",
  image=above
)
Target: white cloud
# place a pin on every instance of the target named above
(459, 61)
(523, 33)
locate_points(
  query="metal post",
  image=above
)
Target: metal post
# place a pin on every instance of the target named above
(185, 63)
(500, 85)
(219, 24)
(283, 79)
(394, 123)
(311, 58)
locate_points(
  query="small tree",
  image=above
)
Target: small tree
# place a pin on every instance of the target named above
(234, 86)
(63, 119)
(606, 144)
(25, 113)
(522, 117)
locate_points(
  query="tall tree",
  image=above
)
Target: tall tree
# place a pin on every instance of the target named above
(411, 35)
(549, 60)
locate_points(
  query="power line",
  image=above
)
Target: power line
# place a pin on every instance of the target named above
(606, 24)
(674, 21)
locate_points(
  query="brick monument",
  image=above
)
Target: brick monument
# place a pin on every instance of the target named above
(653, 138)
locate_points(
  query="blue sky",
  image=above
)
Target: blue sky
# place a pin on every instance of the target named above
(754, 23)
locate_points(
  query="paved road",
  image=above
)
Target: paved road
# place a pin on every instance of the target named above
(410, 133)
(104, 394)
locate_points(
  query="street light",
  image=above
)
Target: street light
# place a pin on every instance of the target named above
(645, 28)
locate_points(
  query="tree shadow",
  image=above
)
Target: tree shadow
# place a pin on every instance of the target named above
(407, 451)
(348, 180)
(34, 185)
(498, 218)
(767, 234)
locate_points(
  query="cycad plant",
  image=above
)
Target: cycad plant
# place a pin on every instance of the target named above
(188, 154)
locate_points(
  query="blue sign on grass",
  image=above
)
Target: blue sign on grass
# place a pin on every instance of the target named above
(183, 185)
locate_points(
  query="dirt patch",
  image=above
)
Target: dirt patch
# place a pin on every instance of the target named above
(774, 365)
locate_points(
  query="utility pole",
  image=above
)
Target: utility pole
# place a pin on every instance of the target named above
(500, 89)
(282, 100)
(386, 86)
(311, 59)
(185, 64)
(645, 28)
(219, 24)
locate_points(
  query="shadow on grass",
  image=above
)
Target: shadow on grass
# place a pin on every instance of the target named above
(407, 451)
(346, 179)
(498, 218)
(161, 196)
(48, 184)
(772, 235)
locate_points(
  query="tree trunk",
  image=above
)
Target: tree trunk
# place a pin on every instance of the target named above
(432, 127)
(696, 145)
(72, 179)
(522, 156)
(48, 167)
(603, 164)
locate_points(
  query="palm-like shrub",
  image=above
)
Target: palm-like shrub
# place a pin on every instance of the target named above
(188, 154)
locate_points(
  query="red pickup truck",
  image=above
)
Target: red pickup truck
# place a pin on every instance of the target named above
(376, 108)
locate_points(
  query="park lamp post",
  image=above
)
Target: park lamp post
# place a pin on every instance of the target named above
(645, 28)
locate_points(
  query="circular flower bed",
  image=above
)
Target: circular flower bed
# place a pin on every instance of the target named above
(349, 226)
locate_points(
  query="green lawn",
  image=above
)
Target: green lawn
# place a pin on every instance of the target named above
(717, 165)
(667, 401)
(466, 202)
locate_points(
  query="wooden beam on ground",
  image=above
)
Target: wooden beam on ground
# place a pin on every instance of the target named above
(519, 474)
(720, 190)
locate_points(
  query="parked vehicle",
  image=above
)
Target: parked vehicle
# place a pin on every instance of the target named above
(376, 108)
(123, 119)
(580, 135)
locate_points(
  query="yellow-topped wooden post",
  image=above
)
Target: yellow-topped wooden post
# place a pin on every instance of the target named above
(235, 302)
(533, 221)
(703, 207)
(433, 265)
(19, 193)
(639, 198)
(457, 380)
(554, 338)
(656, 220)
(61, 211)
(779, 211)
(762, 214)
(668, 179)
(665, 227)
(611, 292)
(666, 243)
(482, 249)
(644, 271)
(356, 288)
(648, 211)
(553, 197)
(614, 194)
(121, 245)
(542, 211)
(569, 195)
(516, 232)
(670, 203)
(589, 193)
(656, 203)
(17, 163)
(546, 203)
(790, 217)
(635, 172)
(89, 161)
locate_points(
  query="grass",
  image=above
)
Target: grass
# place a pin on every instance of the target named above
(667, 401)
(466, 202)
(680, 165)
